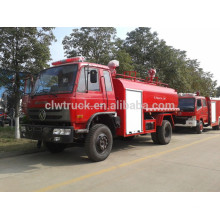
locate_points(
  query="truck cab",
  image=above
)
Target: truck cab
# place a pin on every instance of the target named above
(193, 112)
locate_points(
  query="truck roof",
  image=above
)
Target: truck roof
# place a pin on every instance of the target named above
(85, 64)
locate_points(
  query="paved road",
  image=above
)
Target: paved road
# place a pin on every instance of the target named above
(190, 162)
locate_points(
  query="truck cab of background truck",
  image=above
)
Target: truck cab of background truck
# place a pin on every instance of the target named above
(194, 112)
(76, 100)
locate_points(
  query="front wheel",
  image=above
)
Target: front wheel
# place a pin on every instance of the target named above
(164, 133)
(98, 144)
(199, 127)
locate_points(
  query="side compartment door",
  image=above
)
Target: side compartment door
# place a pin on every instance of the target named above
(213, 109)
(134, 116)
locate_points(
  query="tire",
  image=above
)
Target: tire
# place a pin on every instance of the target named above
(54, 147)
(199, 127)
(154, 137)
(217, 127)
(98, 143)
(164, 133)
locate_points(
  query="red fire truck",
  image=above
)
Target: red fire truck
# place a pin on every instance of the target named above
(76, 100)
(198, 112)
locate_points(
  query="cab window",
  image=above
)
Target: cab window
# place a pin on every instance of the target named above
(107, 81)
(82, 81)
(199, 103)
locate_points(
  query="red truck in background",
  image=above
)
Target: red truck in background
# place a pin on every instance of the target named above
(3, 118)
(198, 112)
(110, 113)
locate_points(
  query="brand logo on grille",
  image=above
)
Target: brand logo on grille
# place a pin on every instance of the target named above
(42, 115)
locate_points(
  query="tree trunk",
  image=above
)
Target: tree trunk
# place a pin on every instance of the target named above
(17, 108)
(17, 129)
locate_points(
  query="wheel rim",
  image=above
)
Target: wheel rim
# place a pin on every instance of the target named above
(101, 143)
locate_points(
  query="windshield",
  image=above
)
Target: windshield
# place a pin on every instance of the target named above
(59, 79)
(187, 104)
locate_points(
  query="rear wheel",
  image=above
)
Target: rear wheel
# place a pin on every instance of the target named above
(98, 144)
(217, 127)
(164, 133)
(154, 137)
(54, 147)
(199, 127)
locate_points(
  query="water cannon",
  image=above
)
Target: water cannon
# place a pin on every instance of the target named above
(113, 64)
(152, 73)
(198, 93)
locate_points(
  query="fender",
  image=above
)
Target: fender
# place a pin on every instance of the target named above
(114, 114)
(159, 119)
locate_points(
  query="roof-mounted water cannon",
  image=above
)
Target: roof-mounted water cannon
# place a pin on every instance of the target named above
(152, 73)
(113, 64)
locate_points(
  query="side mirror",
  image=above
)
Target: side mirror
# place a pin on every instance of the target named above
(93, 76)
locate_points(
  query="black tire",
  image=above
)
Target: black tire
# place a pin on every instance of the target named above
(164, 132)
(54, 147)
(217, 127)
(199, 127)
(154, 137)
(98, 143)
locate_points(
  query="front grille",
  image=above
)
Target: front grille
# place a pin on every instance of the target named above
(36, 117)
(180, 120)
(53, 115)
(46, 110)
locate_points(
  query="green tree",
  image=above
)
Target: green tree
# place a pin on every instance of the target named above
(173, 67)
(94, 43)
(119, 53)
(218, 91)
(23, 49)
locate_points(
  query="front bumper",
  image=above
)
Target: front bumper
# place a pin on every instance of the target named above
(45, 133)
(189, 123)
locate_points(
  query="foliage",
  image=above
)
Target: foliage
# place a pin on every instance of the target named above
(94, 43)
(172, 65)
(218, 91)
(23, 50)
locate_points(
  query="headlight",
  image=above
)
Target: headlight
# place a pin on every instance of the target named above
(23, 129)
(61, 131)
(67, 131)
(193, 118)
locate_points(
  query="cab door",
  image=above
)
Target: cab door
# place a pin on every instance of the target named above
(88, 102)
(199, 110)
(109, 95)
(204, 111)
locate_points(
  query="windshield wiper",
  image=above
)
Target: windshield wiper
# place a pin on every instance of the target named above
(43, 92)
